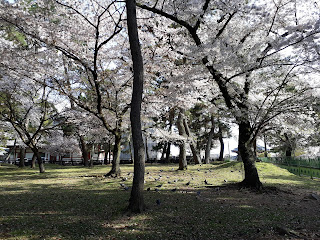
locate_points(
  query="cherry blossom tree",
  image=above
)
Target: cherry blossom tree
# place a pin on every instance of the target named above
(90, 68)
(234, 41)
(30, 113)
(136, 202)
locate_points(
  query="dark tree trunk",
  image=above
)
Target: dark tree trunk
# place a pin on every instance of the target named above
(115, 169)
(91, 159)
(109, 151)
(22, 156)
(33, 161)
(246, 151)
(106, 151)
(168, 150)
(182, 145)
(136, 202)
(12, 150)
(255, 148)
(288, 144)
(84, 151)
(221, 143)
(209, 143)
(196, 157)
(147, 148)
(164, 149)
(265, 146)
(130, 149)
(39, 159)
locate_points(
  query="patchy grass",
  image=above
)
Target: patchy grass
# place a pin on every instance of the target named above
(79, 203)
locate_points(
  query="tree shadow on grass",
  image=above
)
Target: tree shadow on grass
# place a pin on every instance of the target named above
(96, 211)
(301, 182)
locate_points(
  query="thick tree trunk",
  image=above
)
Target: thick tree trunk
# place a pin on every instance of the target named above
(248, 157)
(209, 143)
(221, 143)
(84, 151)
(115, 169)
(39, 160)
(196, 156)
(182, 146)
(136, 202)
(33, 161)
(288, 145)
(22, 156)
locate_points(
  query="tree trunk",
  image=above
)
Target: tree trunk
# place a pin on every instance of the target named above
(265, 146)
(115, 169)
(168, 150)
(136, 202)
(209, 143)
(164, 149)
(91, 159)
(39, 160)
(130, 149)
(288, 144)
(109, 151)
(147, 149)
(84, 151)
(22, 156)
(247, 155)
(33, 161)
(196, 157)
(182, 145)
(221, 143)
(106, 151)
(12, 150)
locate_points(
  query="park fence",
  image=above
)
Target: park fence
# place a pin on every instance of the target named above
(297, 165)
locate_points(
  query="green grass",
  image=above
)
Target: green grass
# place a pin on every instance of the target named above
(79, 203)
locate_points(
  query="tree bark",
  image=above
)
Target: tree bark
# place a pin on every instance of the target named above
(84, 151)
(265, 145)
(39, 159)
(246, 151)
(182, 145)
(33, 161)
(22, 156)
(195, 154)
(288, 145)
(109, 152)
(168, 151)
(147, 148)
(106, 151)
(209, 143)
(164, 150)
(221, 143)
(91, 159)
(136, 202)
(12, 150)
(115, 169)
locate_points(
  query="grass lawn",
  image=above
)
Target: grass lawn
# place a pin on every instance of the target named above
(70, 202)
